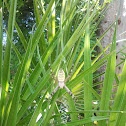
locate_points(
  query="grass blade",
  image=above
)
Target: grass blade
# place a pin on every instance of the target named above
(108, 81)
(119, 97)
(87, 65)
(6, 64)
(49, 113)
(42, 42)
(86, 121)
(1, 57)
(36, 112)
(23, 40)
(121, 118)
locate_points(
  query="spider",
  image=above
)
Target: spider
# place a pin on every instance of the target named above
(61, 81)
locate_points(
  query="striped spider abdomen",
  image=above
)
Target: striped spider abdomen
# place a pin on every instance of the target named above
(61, 78)
(61, 75)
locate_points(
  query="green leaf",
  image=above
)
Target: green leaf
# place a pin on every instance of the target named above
(6, 64)
(49, 112)
(23, 40)
(87, 65)
(36, 112)
(85, 121)
(120, 97)
(108, 81)
(1, 56)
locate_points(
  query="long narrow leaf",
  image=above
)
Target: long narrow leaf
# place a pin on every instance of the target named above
(1, 58)
(108, 81)
(87, 64)
(119, 97)
(49, 113)
(36, 112)
(86, 121)
(6, 64)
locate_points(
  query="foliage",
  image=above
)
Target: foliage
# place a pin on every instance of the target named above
(62, 36)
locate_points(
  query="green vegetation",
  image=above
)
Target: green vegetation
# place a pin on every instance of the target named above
(63, 36)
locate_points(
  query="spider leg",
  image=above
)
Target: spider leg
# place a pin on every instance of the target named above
(52, 75)
(69, 75)
(67, 89)
(55, 90)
